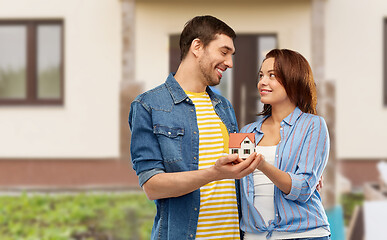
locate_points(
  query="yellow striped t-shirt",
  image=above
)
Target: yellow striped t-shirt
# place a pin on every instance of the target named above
(218, 215)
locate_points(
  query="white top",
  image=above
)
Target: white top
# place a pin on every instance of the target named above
(263, 186)
(264, 202)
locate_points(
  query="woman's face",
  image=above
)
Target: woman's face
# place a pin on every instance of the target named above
(270, 89)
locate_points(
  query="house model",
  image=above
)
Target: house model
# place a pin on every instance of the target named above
(242, 144)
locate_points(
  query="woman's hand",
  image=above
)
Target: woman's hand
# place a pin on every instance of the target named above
(280, 178)
(262, 162)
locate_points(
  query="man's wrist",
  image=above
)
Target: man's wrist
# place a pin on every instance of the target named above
(212, 174)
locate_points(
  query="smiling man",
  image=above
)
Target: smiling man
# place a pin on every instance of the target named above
(179, 140)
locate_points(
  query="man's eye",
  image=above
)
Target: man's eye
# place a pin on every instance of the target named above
(224, 53)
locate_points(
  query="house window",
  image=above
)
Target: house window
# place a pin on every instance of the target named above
(233, 151)
(246, 142)
(31, 62)
(246, 151)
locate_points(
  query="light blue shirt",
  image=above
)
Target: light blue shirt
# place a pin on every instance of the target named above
(302, 153)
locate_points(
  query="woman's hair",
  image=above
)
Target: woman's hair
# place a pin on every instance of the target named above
(205, 28)
(292, 70)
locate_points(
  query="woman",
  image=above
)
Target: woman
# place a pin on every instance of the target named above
(279, 199)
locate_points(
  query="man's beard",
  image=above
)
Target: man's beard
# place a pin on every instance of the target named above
(207, 74)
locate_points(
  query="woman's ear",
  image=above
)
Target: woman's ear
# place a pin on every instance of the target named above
(196, 46)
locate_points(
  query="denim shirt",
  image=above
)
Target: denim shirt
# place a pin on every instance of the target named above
(165, 138)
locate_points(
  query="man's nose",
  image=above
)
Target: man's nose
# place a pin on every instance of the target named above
(229, 62)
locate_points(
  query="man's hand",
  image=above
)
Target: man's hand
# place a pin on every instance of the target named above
(233, 167)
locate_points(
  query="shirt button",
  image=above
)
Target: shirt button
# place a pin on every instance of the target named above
(195, 132)
(191, 235)
(276, 155)
(196, 209)
(195, 159)
(169, 133)
(281, 128)
(187, 100)
(191, 110)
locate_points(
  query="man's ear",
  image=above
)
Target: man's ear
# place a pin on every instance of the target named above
(196, 46)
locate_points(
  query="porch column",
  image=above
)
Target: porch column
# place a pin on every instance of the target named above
(129, 87)
(326, 99)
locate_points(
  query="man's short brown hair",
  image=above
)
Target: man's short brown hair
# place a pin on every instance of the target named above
(204, 28)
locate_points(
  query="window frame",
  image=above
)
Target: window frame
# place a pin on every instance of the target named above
(246, 151)
(31, 62)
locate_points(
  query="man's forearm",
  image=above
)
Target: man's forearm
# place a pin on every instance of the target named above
(166, 185)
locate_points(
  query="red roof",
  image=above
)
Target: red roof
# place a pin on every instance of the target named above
(237, 138)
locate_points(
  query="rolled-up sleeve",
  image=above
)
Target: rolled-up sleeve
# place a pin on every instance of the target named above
(146, 175)
(144, 148)
(312, 161)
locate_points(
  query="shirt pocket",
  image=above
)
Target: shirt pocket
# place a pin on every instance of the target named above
(170, 140)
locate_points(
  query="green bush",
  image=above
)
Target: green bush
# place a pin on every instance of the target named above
(76, 217)
(349, 202)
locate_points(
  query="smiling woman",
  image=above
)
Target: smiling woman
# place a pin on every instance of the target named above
(280, 196)
(270, 88)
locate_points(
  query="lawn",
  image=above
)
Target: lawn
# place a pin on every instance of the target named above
(91, 216)
(349, 202)
(117, 216)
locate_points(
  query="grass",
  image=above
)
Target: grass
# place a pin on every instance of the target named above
(76, 217)
(92, 216)
(349, 202)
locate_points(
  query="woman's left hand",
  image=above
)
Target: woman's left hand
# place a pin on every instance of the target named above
(262, 161)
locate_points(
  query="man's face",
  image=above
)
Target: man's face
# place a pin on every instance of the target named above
(215, 58)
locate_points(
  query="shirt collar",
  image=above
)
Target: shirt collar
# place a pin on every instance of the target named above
(174, 88)
(290, 120)
(178, 94)
(214, 99)
(256, 126)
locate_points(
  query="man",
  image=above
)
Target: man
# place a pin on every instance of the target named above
(180, 140)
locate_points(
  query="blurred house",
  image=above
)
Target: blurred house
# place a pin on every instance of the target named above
(69, 70)
(367, 221)
(60, 76)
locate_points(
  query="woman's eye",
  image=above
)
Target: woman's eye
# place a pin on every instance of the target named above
(272, 75)
(260, 76)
